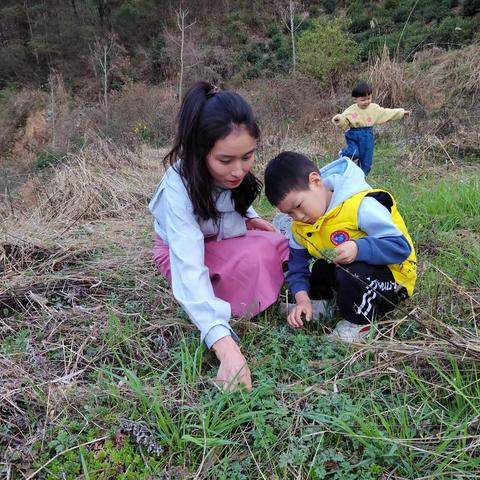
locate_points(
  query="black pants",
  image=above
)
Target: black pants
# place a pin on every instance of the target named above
(358, 287)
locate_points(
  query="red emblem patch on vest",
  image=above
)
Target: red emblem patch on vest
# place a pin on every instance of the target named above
(339, 236)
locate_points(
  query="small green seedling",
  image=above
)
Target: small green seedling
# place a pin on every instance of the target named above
(328, 254)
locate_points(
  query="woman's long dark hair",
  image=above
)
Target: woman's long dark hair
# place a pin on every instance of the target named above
(206, 116)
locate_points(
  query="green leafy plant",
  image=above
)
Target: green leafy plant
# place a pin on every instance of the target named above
(48, 158)
(325, 48)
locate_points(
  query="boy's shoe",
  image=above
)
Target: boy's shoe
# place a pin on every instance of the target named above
(283, 222)
(349, 332)
(320, 309)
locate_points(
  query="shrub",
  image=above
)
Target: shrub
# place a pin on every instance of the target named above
(265, 58)
(325, 48)
(158, 58)
(14, 62)
(471, 7)
(138, 103)
(455, 31)
(409, 26)
(48, 158)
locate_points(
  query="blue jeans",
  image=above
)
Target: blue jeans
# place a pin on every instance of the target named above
(360, 144)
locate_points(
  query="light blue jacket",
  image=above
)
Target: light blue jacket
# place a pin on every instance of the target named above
(184, 233)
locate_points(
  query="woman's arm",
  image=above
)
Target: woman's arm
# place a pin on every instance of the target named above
(191, 283)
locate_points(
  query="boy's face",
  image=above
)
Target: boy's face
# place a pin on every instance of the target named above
(363, 102)
(308, 205)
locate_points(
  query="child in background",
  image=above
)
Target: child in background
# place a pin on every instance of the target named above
(374, 260)
(358, 121)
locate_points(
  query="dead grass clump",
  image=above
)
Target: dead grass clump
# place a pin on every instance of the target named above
(445, 88)
(428, 55)
(284, 103)
(102, 180)
(472, 67)
(451, 79)
(387, 79)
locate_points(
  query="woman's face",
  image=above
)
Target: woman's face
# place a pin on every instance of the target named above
(232, 157)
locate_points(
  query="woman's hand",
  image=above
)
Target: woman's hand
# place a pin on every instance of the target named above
(258, 223)
(233, 371)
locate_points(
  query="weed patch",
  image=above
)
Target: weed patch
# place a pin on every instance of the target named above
(110, 381)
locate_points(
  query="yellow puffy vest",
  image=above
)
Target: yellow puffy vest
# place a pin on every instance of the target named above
(341, 224)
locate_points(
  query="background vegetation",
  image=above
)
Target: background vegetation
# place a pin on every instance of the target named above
(101, 374)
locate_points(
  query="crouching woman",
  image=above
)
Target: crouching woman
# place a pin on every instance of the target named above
(222, 259)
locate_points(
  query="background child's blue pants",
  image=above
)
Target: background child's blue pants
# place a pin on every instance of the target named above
(360, 143)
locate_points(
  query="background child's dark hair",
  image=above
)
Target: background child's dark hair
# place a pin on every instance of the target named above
(361, 89)
(206, 116)
(287, 172)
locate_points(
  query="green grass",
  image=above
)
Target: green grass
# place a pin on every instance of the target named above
(263, 208)
(294, 422)
(318, 410)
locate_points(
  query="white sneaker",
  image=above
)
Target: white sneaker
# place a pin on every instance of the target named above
(283, 223)
(349, 332)
(320, 309)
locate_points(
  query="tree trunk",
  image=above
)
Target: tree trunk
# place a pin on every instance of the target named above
(181, 16)
(105, 83)
(292, 33)
(25, 6)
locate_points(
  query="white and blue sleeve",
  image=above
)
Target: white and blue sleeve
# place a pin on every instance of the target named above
(191, 283)
(385, 243)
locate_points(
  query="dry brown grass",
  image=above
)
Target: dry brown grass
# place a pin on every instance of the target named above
(472, 65)
(101, 181)
(449, 79)
(139, 104)
(294, 113)
(88, 237)
(386, 76)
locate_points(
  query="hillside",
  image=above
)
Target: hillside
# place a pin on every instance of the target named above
(101, 373)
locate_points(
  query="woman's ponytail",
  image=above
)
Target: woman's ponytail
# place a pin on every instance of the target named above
(188, 120)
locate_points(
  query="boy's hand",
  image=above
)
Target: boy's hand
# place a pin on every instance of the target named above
(303, 307)
(346, 252)
(407, 113)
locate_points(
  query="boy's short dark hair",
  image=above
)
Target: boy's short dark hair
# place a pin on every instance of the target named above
(361, 89)
(287, 172)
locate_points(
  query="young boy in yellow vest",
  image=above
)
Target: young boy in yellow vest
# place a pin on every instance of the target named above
(358, 121)
(336, 210)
